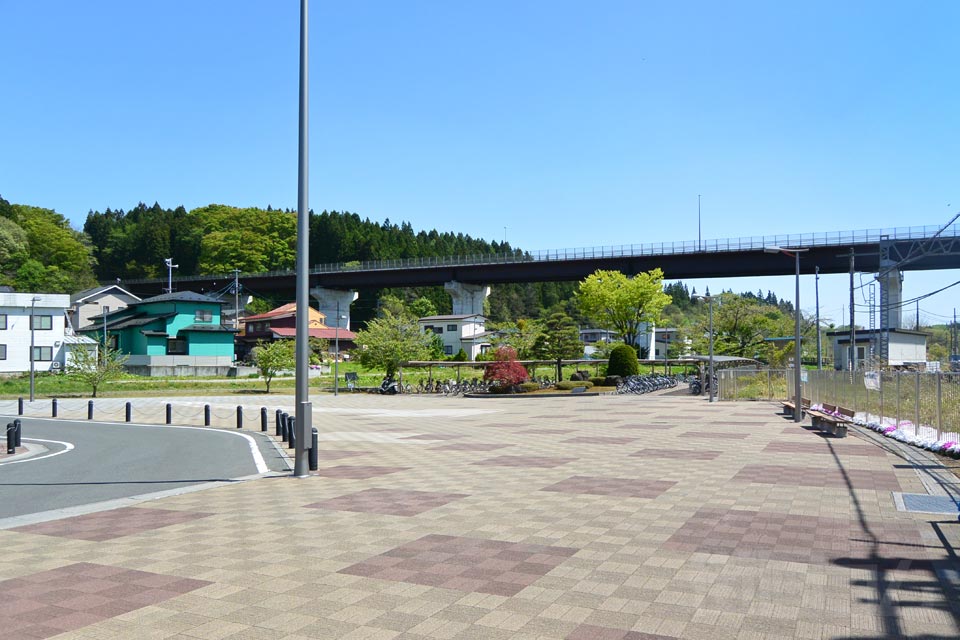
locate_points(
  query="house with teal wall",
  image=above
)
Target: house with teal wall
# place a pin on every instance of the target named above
(174, 334)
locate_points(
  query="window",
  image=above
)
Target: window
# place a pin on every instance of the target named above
(448, 349)
(428, 327)
(42, 323)
(438, 330)
(176, 347)
(203, 315)
(42, 354)
(3, 321)
(451, 327)
(3, 352)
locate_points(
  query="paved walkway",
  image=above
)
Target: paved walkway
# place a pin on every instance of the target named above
(570, 518)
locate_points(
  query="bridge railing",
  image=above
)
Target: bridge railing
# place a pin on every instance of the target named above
(721, 245)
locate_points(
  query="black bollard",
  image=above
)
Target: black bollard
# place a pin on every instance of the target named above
(169, 413)
(11, 438)
(129, 412)
(90, 410)
(314, 458)
(239, 417)
(263, 419)
(20, 406)
(279, 413)
(17, 432)
(206, 415)
(53, 407)
(292, 433)
(284, 418)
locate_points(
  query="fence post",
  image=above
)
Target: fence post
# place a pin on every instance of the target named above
(263, 419)
(206, 415)
(53, 408)
(313, 459)
(90, 410)
(881, 396)
(916, 405)
(239, 417)
(169, 413)
(11, 439)
(128, 412)
(20, 406)
(939, 408)
(898, 399)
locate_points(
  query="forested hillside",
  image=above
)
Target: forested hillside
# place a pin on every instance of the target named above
(220, 238)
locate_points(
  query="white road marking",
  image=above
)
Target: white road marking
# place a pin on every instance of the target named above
(66, 447)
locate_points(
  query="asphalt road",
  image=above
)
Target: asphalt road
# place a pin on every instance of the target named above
(110, 461)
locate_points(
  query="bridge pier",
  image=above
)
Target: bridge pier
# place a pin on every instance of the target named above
(328, 301)
(467, 298)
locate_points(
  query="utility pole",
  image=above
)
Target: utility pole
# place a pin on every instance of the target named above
(236, 299)
(170, 268)
(699, 241)
(853, 332)
(816, 271)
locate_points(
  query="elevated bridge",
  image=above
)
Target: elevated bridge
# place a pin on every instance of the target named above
(884, 251)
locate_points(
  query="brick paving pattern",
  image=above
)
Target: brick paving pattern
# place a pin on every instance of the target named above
(526, 461)
(821, 447)
(108, 525)
(624, 487)
(679, 454)
(465, 564)
(392, 502)
(613, 518)
(48, 603)
(358, 473)
(818, 477)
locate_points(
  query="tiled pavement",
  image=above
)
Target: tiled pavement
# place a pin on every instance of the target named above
(701, 521)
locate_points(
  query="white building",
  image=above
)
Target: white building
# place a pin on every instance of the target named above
(465, 332)
(906, 347)
(46, 313)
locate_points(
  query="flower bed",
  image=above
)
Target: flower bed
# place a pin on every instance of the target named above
(899, 432)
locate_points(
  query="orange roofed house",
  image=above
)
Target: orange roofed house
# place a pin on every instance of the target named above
(281, 324)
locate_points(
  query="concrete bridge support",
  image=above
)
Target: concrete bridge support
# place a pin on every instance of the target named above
(467, 298)
(334, 303)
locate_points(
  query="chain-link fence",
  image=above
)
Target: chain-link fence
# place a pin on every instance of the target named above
(924, 404)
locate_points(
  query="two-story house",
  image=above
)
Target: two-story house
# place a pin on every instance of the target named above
(96, 302)
(38, 319)
(281, 324)
(465, 332)
(174, 334)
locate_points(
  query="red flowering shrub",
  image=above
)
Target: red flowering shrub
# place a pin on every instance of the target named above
(505, 371)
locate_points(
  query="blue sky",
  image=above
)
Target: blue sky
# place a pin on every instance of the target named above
(557, 124)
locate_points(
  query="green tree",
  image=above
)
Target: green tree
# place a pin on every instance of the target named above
(623, 361)
(270, 358)
(92, 369)
(613, 301)
(558, 341)
(423, 307)
(319, 348)
(390, 340)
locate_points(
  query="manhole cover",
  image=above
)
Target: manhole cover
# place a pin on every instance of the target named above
(922, 503)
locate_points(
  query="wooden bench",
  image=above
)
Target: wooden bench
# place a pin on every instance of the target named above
(835, 425)
(789, 406)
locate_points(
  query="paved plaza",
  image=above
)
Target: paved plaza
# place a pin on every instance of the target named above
(579, 518)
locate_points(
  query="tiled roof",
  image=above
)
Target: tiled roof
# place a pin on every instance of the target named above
(180, 296)
(327, 333)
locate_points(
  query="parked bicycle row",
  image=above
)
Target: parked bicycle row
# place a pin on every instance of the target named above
(646, 383)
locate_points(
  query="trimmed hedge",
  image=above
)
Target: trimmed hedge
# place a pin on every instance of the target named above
(527, 387)
(567, 385)
(623, 361)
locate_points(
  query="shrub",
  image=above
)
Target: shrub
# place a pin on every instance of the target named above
(527, 387)
(598, 382)
(623, 361)
(567, 385)
(505, 370)
(461, 356)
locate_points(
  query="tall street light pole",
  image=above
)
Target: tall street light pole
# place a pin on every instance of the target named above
(170, 268)
(817, 293)
(797, 379)
(33, 304)
(304, 410)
